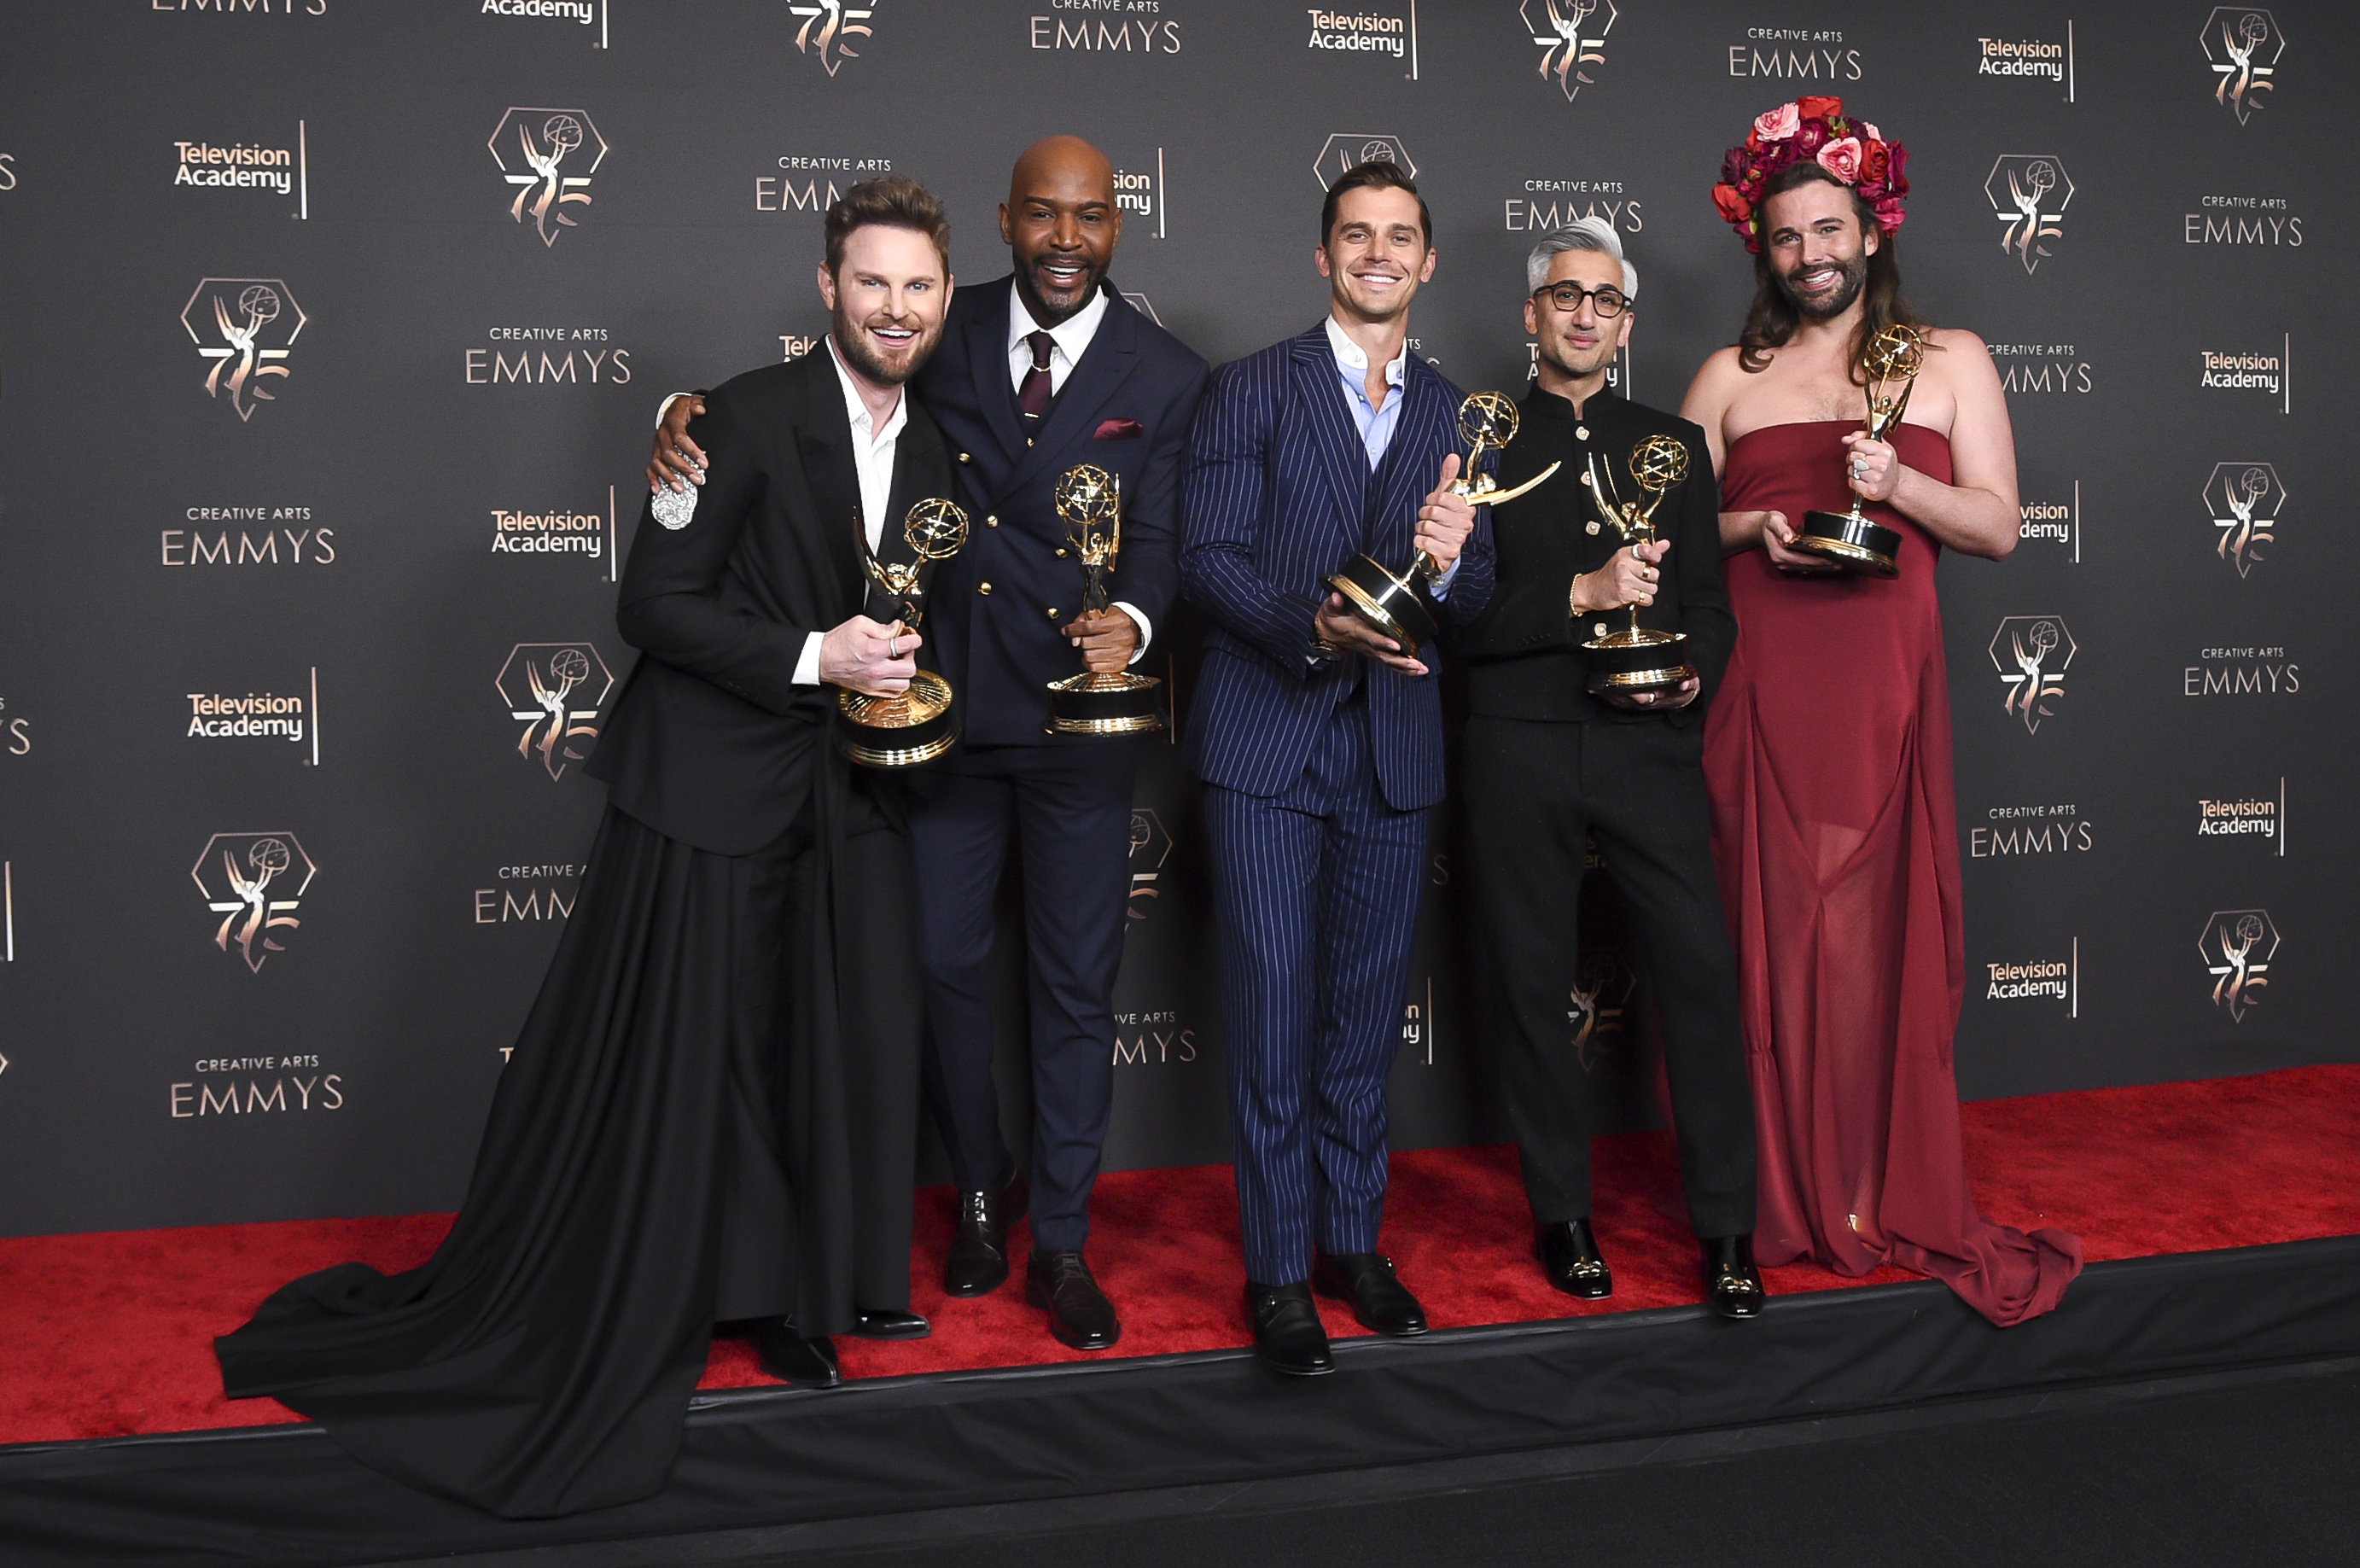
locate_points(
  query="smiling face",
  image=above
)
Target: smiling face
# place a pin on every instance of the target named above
(1060, 222)
(1377, 254)
(1817, 248)
(1576, 342)
(886, 298)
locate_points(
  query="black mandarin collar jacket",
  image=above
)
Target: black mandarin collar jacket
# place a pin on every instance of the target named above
(1524, 653)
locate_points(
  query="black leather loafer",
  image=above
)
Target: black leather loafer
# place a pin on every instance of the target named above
(889, 1323)
(977, 1261)
(1079, 1313)
(1381, 1303)
(791, 1358)
(1732, 1286)
(1287, 1333)
(1569, 1257)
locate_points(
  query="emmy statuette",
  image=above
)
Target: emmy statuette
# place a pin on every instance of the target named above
(1089, 504)
(1847, 538)
(1639, 662)
(919, 724)
(1397, 603)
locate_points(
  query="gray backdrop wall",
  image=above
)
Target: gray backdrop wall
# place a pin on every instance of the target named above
(326, 393)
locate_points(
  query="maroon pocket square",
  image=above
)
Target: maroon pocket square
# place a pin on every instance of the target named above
(1119, 430)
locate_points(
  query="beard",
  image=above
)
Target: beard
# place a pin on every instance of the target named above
(1568, 361)
(862, 357)
(1855, 278)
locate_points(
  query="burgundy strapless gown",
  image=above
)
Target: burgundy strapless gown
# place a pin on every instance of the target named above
(1827, 753)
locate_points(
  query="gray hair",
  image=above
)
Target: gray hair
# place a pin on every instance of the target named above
(1583, 233)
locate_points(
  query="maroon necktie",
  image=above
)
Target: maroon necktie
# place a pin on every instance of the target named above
(1033, 397)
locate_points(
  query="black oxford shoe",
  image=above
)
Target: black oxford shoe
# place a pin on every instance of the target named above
(1569, 1257)
(890, 1322)
(1732, 1286)
(1287, 1334)
(1382, 1304)
(1079, 1313)
(791, 1358)
(977, 1262)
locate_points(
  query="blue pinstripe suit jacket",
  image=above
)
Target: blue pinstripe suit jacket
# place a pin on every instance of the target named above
(1277, 496)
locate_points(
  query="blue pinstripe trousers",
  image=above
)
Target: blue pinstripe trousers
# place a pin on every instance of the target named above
(1316, 902)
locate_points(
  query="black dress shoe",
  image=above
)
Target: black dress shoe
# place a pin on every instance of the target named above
(1570, 1256)
(791, 1358)
(1732, 1286)
(1079, 1313)
(1287, 1334)
(889, 1323)
(1382, 1303)
(978, 1263)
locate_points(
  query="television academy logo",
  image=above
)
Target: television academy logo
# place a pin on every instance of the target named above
(2246, 817)
(248, 166)
(1347, 150)
(2039, 980)
(530, 145)
(255, 881)
(2239, 946)
(2243, 45)
(1571, 34)
(1601, 995)
(2052, 523)
(554, 690)
(246, 326)
(582, 12)
(829, 25)
(2244, 499)
(2029, 192)
(2031, 653)
(2045, 59)
(1150, 851)
(1367, 32)
(2244, 371)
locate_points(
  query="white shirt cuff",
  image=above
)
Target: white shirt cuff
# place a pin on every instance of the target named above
(807, 667)
(665, 407)
(1146, 628)
(1442, 584)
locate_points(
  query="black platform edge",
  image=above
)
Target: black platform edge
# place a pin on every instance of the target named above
(287, 1494)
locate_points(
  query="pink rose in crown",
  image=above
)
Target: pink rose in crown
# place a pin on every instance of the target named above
(1870, 132)
(1842, 159)
(1778, 123)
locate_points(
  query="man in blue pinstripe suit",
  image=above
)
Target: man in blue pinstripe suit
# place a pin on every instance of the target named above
(1320, 745)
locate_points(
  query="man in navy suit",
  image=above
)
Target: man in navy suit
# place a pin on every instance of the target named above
(1037, 372)
(1321, 744)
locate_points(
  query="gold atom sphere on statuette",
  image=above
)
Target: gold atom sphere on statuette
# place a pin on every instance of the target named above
(935, 528)
(1488, 419)
(1660, 464)
(1085, 493)
(1895, 353)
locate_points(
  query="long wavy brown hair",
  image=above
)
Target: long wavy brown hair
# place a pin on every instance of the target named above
(1771, 320)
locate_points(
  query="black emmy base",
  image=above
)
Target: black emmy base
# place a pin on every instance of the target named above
(1850, 541)
(1638, 668)
(1116, 703)
(1394, 604)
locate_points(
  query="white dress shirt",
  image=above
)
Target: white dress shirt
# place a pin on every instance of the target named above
(1067, 339)
(872, 460)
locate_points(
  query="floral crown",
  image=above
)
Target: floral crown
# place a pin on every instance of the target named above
(1812, 130)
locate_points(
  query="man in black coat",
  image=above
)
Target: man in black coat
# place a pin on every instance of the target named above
(710, 1114)
(1547, 767)
(1038, 372)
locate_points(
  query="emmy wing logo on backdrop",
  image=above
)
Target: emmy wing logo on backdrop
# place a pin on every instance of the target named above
(2238, 946)
(829, 25)
(533, 148)
(2031, 653)
(2244, 499)
(1150, 851)
(1571, 34)
(554, 690)
(2243, 44)
(1347, 150)
(2029, 192)
(246, 326)
(255, 881)
(1600, 994)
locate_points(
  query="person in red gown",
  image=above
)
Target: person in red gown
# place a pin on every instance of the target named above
(1828, 752)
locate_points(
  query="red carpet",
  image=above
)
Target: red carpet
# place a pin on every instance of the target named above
(109, 1335)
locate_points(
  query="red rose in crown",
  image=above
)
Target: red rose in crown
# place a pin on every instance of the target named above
(1818, 130)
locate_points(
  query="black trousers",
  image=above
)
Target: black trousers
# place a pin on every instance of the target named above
(1531, 792)
(1069, 806)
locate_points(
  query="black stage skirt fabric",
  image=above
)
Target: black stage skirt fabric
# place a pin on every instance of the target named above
(689, 1129)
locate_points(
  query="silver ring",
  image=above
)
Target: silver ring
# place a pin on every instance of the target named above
(892, 647)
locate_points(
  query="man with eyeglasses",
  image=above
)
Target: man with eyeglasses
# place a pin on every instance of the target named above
(1547, 769)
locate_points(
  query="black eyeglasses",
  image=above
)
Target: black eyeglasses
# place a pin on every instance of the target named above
(1607, 301)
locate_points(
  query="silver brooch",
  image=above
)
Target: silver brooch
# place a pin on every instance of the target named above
(672, 507)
